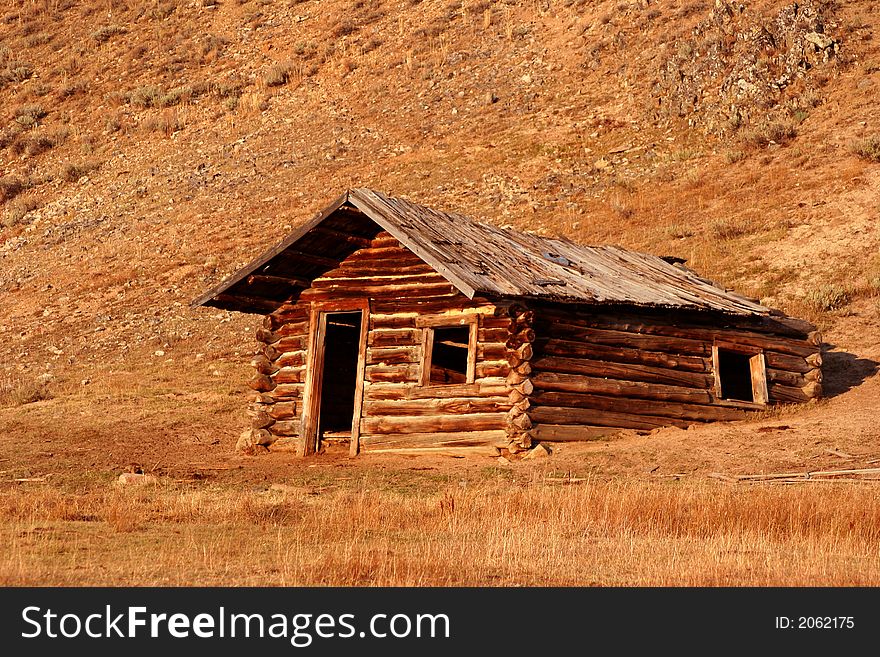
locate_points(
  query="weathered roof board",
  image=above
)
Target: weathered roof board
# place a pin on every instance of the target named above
(478, 259)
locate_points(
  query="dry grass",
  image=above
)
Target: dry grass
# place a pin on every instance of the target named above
(868, 148)
(18, 210)
(494, 533)
(828, 298)
(16, 390)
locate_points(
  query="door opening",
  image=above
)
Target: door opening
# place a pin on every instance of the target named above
(339, 381)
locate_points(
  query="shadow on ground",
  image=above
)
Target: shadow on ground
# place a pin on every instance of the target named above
(843, 371)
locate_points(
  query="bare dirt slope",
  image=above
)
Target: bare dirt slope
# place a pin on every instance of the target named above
(150, 147)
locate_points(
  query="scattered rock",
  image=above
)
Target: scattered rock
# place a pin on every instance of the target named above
(540, 451)
(821, 41)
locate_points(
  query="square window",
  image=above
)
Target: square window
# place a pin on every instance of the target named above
(449, 355)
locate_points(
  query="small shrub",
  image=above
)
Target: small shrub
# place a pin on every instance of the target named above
(732, 157)
(305, 49)
(106, 32)
(728, 229)
(17, 391)
(18, 210)
(279, 74)
(678, 232)
(71, 89)
(828, 298)
(15, 71)
(779, 132)
(344, 28)
(867, 149)
(168, 123)
(692, 8)
(73, 172)
(146, 96)
(28, 116)
(175, 97)
(10, 187)
(38, 145)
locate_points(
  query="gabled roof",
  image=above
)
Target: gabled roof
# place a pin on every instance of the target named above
(477, 258)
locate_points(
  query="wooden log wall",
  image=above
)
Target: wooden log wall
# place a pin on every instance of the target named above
(279, 379)
(520, 351)
(399, 414)
(592, 372)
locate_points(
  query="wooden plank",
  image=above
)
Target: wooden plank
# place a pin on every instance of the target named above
(290, 375)
(449, 406)
(788, 363)
(758, 371)
(472, 355)
(789, 394)
(291, 359)
(439, 303)
(313, 382)
(679, 410)
(594, 417)
(393, 355)
(488, 387)
(439, 423)
(357, 240)
(492, 368)
(357, 411)
(424, 376)
(288, 391)
(485, 450)
(392, 321)
(551, 381)
(624, 339)
(394, 337)
(569, 432)
(624, 371)
(497, 437)
(672, 328)
(574, 348)
(447, 319)
(286, 410)
(392, 373)
(278, 281)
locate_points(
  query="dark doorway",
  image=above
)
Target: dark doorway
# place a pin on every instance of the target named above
(735, 374)
(339, 381)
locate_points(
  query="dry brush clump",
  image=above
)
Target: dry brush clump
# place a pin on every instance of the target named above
(17, 211)
(867, 148)
(16, 390)
(828, 297)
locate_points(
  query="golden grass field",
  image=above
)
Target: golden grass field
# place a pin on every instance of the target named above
(492, 530)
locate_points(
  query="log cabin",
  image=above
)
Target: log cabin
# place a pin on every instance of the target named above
(392, 327)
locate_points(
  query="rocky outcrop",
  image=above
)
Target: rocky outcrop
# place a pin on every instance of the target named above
(738, 67)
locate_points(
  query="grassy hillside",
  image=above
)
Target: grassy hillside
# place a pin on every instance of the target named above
(150, 147)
